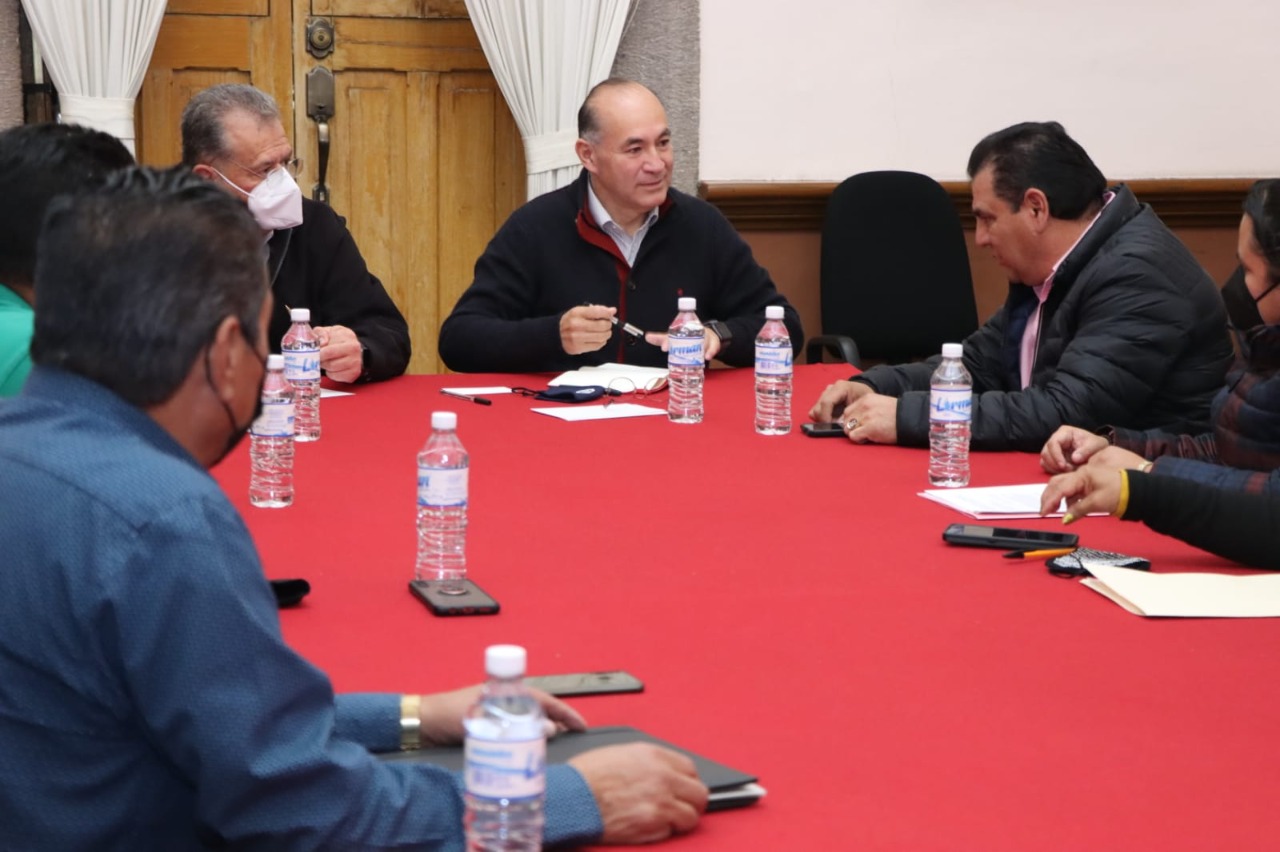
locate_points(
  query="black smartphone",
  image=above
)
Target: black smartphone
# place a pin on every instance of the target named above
(822, 430)
(472, 601)
(588, 683)
(1007, 538)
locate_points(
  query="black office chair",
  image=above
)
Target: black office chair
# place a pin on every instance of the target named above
(895, 275)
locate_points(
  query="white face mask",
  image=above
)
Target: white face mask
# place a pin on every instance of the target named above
(276, 203)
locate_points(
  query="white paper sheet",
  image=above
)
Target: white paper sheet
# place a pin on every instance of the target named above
(601, 412)
(491, 391)
(996, 502)
(1188, 595)
(326, 393)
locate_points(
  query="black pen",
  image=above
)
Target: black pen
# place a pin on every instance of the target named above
(478, 400)
(626, 326)
(629, 328)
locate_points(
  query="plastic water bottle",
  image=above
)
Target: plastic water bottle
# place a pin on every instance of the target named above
(506, 753)
(271, 441)
(685, 366)
(301, 350)
(950, 411)
(773, 375)
(442, 506)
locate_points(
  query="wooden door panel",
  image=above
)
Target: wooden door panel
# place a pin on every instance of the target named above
(426, 161)
(219, 7)
(197, 50)
(393, 8)
(164, 94)
(409, 45)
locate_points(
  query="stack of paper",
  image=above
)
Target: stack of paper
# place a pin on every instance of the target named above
(620, 377)
(1191, 595)
(995, 503)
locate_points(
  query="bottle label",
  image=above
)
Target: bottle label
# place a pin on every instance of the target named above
(773, 360)
(275, 421)
(684, 352)
(951, 404)
(442, 487)
(302, 365)
(505, 769)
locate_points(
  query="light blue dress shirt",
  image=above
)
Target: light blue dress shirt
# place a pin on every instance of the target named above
(147, 699)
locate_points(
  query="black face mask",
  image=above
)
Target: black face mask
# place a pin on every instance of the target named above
(1242, 307)
(237, 431)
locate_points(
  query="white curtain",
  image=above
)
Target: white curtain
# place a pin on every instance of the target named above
(97, 52)
(547, 54)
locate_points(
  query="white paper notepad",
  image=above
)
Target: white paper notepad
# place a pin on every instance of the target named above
(623, 377)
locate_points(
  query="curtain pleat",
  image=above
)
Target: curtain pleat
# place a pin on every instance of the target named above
(97, 52)
(546, 55)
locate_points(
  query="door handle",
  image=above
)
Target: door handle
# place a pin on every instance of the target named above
(320, 110)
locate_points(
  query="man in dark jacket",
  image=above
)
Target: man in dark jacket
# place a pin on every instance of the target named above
(565, 275)
(232, 135)
(1109, 319)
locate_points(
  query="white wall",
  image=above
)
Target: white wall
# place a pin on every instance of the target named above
(820, 89)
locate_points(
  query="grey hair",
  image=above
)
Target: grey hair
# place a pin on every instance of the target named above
(202, 132)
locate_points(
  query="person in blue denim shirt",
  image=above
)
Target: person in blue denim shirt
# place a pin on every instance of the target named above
(147, 698)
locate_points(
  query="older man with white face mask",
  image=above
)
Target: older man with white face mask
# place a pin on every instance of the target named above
(232, 135)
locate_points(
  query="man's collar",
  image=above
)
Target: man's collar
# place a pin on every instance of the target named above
(601, 216)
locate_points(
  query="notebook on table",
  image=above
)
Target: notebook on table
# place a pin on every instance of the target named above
(730, 788)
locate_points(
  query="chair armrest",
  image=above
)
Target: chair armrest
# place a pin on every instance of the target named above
(837, 344)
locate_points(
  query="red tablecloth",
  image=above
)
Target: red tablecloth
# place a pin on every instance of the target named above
(793, 612)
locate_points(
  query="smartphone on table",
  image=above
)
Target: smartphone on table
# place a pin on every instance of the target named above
(1007, 538)
(822, 430)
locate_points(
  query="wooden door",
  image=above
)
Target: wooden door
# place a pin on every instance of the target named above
(425, 160)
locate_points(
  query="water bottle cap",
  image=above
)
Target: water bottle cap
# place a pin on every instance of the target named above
(300, 314)
(275, 362)
(687, 303)
(952, 350)
(774, 312)
(504, 661)
(444, 420)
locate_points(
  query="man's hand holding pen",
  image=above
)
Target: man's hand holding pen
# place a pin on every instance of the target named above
(586, 328)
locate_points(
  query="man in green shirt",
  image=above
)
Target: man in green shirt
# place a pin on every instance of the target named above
(37, 163)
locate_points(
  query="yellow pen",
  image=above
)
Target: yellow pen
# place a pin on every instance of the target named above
(1039, 554)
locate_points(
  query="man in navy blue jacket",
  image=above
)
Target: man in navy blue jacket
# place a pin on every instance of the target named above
(1109, 319)
(619, 244)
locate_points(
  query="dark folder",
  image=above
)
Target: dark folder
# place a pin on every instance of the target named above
(729, 787)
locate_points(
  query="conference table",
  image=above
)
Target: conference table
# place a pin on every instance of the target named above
(793, 612)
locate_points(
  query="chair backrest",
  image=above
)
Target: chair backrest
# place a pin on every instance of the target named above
(895, 271)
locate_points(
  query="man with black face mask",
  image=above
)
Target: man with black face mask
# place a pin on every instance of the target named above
(147, 697)
(1242, 452)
